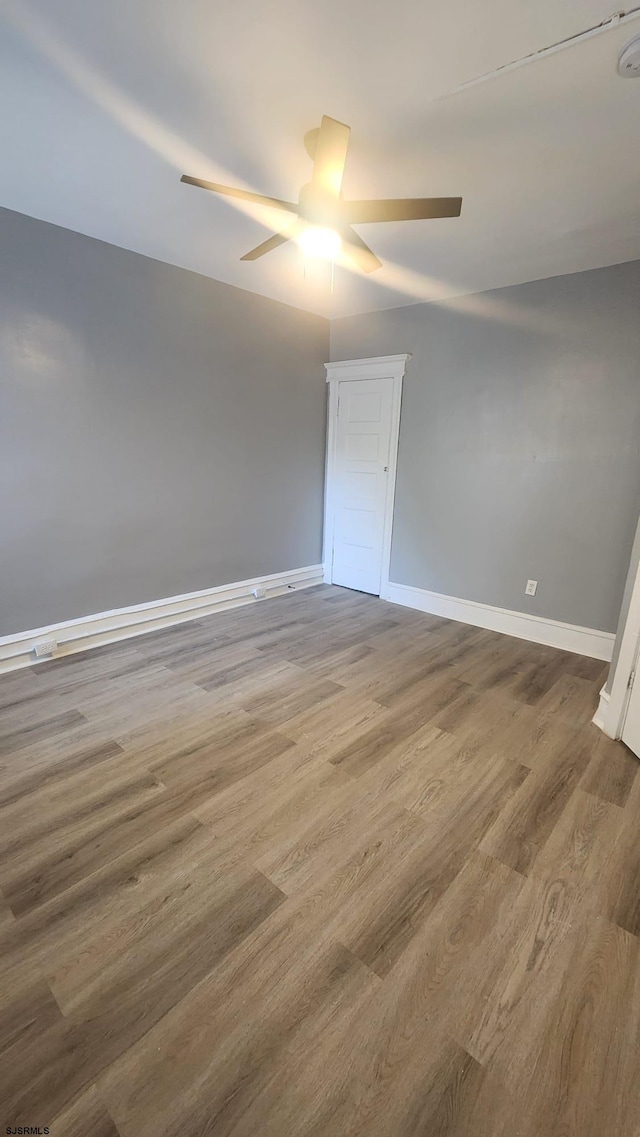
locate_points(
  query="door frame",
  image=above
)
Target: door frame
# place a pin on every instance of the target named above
(612, 712)
(346, 371)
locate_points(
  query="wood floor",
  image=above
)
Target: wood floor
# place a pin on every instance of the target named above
(319, 867)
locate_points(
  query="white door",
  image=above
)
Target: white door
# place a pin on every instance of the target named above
(631, 728)
(361, 471)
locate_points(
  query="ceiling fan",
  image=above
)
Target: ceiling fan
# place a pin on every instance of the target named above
(324, 219)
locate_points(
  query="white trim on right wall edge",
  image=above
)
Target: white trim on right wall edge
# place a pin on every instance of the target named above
(553, 633)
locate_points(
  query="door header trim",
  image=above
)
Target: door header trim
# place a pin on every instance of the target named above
(378, 367)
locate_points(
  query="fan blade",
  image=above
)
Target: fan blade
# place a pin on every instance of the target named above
(402, 209)
(361, 253)
(245, 195)
(272, 243)
(330, 155)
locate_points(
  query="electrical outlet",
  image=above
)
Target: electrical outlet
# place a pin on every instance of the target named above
(45, 647)
(530, 590)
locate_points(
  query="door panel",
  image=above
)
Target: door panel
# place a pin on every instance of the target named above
(362, 447)
(361, 470)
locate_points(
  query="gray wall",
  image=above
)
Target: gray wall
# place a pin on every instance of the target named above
(159, 432)
(519, 443)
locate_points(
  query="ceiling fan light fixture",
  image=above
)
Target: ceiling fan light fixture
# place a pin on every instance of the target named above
(317, 241)
(324, 220)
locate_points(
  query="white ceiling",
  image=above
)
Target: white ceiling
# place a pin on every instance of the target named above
(105, 104)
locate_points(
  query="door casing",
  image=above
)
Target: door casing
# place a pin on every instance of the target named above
(611, 714)
(344, 371)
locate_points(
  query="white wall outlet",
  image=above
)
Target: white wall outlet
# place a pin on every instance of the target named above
(45, 647)
(259, 592)
(530, 590)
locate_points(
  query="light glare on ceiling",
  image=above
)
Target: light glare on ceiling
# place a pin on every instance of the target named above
(316, 241)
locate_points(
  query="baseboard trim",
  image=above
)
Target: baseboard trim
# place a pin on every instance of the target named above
(16, 651)
(553, 633)
(601, 717)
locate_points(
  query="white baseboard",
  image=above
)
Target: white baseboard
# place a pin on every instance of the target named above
(121, 623)
(601, 717)
(553, 633)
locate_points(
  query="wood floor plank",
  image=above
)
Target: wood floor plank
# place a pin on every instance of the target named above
(571, 700)
(408, 715)
(86, 672)
(523, 827)
(376, 742)
(409, 895)
(206, 1033)
(43, 754)
(612, 770)
(36, 865)
(123, 1004)
(45, 939)
(257, 816)
(506, 991)
(581, 851)
(330, 725)
(322, 866)
(22, 787)
(155, 959)
(150, 744)
(278, 703)
(7, 918)
(36, 731)
(210, 769)
(150, 696)
(424, 979)
(326, 839)
(18, 688)
(87, 1115)
(623, 877)
(584, 1049)
(386, 1081)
